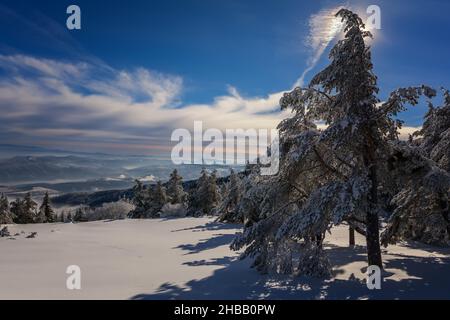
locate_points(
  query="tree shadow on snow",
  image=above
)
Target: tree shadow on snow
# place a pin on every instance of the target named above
(426, 278)
(205, 244)
(211, 226)
(425, 247)
(224, 261)
(214, 241)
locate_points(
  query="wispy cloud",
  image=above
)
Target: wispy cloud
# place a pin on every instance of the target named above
(324, 27)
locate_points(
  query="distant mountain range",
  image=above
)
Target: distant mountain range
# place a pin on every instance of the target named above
(21, 169)
(73, 178)
(10, 150)
(64, 169)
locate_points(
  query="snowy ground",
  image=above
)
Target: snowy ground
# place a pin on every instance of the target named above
(189, 259)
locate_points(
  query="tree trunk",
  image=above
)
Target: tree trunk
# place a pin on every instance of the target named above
(351, 236)
(372, 229)
(373, 240)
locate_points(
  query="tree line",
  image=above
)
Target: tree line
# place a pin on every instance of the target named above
(26, 210)
(152, 200)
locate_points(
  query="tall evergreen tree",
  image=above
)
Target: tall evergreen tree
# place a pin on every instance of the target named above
(435, 133)
(353, 113)
(157, 200)
(213, 190)
(17, 209)
(24, 210)
(359, 134)
(46, 211)
(205, 197)
(421, 188)
(175, 190)
(331, 175)
(148, 201)
(229, 205)
(6, 216)
(30, 207)
(140, 200)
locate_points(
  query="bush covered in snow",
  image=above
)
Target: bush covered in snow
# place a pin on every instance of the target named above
(109, 211)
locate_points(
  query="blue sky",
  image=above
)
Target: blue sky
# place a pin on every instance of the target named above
(139, 69)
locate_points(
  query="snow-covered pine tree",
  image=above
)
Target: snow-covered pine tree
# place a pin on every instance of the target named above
(421, 209)
(24, 210)
(435, 133)
(336, 160)
(6, 216)
(205, 197)
(358, 138)
(328, 175)
(46, 211)
(40, 217)
(264, 208)
(16, 208)
(148, 201)
(197, 196)
(175, 190)
(228, 208)
(213, 192)
(30, 207)
(421, 204)
(158, 199)
(141, 197)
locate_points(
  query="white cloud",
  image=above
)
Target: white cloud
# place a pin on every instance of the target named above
(324, 27)
(406, 131)
(150, 178)
(49, 98)
(45, 67)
